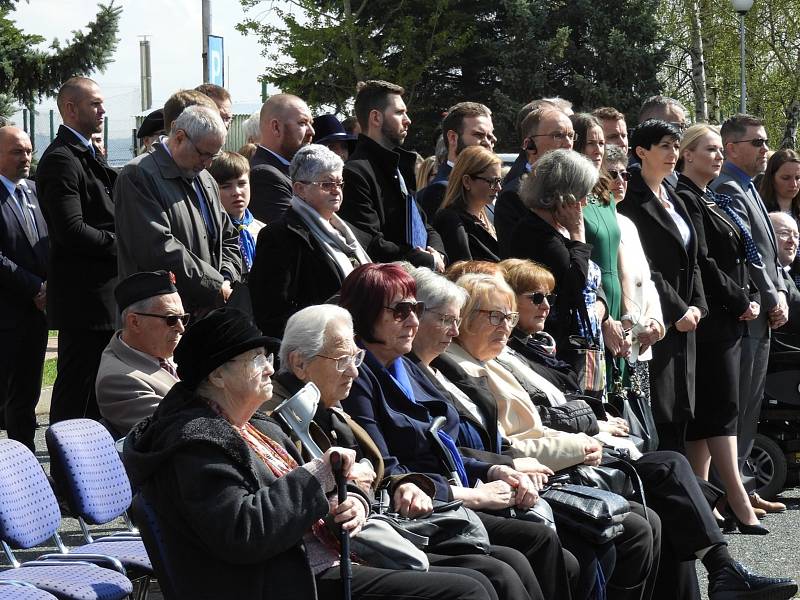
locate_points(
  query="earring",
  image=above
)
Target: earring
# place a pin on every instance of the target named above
(689, 160)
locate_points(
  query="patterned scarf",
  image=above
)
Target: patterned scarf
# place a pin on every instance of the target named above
(246, 242)
(750, 250)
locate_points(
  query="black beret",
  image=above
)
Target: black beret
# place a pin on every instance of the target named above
(215, 339)
(143, 285)
(153, 123)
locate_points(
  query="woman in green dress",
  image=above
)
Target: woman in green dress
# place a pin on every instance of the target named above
(602, 232)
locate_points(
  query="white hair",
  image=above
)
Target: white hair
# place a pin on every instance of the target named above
(305, 331)
(312, 162)
(200, 122)
(251, 128)
(436, 290)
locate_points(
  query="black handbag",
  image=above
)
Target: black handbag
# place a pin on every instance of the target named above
(450, 529)
(586, 355)
(574, 416)
(603, 477)
(631, 405)
(594, 514)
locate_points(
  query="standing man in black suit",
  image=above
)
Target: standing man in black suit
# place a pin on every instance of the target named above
(23, 288)
(75, 186)
(286, 126)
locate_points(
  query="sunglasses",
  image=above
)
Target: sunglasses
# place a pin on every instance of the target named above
(402, 310)
(495, 183)
(343, 362)
(757, 142)
(171, 320)
(326, 186)
(496, 317)
(624, 174)
(538, 297)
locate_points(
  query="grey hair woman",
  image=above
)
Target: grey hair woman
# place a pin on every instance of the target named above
(553, 235)
(303, 258)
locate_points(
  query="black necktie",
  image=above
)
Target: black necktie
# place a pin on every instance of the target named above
(27, 217)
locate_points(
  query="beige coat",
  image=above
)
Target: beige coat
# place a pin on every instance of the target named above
(517, 417)
(129, 385)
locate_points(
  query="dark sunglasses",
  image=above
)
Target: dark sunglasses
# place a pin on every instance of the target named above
(494, 182)
(171, 320)
(624, 174)
(538, 297)
(757, 142)
(402, 310)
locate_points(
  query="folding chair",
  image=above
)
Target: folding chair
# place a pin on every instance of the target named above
(153, 536)
(19, 590)
(89, 473)
(29, 515)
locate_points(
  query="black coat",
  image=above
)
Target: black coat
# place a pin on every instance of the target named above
(464, 237)
(75, 196)
(431, 196)
(23, 260)
(676, 275)
(270, 186)
(291, 271)
(721, 257)
(375, 205)
(567, 260)
(508, 212)
(231, 528)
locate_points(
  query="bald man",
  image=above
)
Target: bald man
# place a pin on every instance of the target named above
(23, 288)
(285, 124)
(75, 186)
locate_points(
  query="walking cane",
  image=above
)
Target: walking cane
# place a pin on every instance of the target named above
(345, 568)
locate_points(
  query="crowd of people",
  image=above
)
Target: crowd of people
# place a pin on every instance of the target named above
(196, 289)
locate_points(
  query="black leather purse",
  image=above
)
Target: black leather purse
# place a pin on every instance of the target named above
(594, 514)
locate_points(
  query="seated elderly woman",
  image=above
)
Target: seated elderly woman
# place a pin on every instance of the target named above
(303, 258)
(319, 347)
(241, 516)
(671, 489)
(395, 403)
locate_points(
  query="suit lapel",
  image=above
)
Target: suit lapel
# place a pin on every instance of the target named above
(23, 225)
(652, 207)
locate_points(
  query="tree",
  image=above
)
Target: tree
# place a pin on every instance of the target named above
(501, 53)
(28, 73)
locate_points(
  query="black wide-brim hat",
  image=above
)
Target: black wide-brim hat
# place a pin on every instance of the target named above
(214, 340)
(152, 124)
(327, 129)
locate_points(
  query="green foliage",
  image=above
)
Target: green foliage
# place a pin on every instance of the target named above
(28, 73)
(502, 53)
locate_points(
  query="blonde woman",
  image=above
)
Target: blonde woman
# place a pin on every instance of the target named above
(462, 221)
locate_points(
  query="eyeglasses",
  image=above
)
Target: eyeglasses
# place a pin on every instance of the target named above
(538, 297)
(757, 142)
(495, 183)
(259, 362)
(344, 362)
(202, 155)
(496, 317)
(402, 310)
(624, 174)
(326, 186)
(559, 136)
(171, 320)
(785, 236)
(446, 320)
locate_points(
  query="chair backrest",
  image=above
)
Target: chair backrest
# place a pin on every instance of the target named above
(146, 520)
(88, 470)
(29, 512)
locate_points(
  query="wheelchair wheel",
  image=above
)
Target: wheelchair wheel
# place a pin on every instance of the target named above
(769, 466)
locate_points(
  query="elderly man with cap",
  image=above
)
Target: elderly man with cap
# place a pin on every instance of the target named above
(150, 130)
(329, 132)
(136, 370)
(169, 215)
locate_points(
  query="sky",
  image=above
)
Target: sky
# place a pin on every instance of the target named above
(174, 28)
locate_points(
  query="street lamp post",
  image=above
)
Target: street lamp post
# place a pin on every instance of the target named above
(742, 7)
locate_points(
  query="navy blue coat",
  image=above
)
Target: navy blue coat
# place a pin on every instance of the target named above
(398, 425)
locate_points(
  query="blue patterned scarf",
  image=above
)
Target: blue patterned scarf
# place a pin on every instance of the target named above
(246, 242)
(750, 250)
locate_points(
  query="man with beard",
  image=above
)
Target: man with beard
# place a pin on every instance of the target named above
(286, 126)
(136, 370)
(466, 124)
(379, 183)
(169, 215)
(75, 185)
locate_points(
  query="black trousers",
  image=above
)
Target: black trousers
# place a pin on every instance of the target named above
(22, 353)
(79, 352)
(507, 569)
(440, 583)
(556, 570)
(638, 556)
(684, 507)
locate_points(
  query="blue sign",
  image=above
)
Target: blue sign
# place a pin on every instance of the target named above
(216, 60)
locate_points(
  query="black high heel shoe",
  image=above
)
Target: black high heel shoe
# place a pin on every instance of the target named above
(732, 522)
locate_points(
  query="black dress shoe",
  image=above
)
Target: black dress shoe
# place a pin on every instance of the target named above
(734, 582)
(731, 523)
